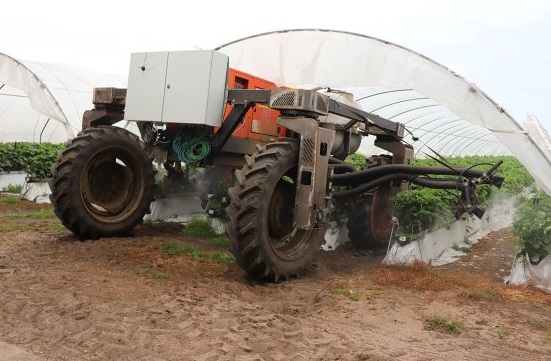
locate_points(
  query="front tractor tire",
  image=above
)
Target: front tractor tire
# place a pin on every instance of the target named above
(263, 239)
(102, 184)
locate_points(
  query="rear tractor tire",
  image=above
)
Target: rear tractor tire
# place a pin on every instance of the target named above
(103, 183)
(370, 220)
(263, 239)
(370, 217)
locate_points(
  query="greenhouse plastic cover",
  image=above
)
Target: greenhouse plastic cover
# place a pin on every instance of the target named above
(447, 113)
(443, 112)
(42, 102)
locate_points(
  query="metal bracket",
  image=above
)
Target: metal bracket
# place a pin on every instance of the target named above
(313, 164)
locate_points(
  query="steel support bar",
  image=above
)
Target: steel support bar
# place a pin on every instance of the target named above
(357, 115)
(313, 164)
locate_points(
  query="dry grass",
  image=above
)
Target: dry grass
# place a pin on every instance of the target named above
(417, 277)
(444, 324)
(421, 277)
(345, 288)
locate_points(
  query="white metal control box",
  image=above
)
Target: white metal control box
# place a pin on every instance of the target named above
(177, 87)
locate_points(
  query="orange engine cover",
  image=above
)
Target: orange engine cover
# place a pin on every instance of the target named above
(260, 122)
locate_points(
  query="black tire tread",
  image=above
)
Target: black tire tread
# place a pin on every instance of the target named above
(245, 208)
(359, 224)
(66, 198)
(360, 230)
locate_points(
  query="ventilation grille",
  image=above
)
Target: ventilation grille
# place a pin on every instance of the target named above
(308, 151)
(300, 100)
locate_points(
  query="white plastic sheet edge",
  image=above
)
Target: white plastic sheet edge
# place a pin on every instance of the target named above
(18, 75)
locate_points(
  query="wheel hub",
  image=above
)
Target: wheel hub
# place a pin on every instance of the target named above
(109, 185)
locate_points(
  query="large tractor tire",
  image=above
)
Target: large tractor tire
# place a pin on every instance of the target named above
(263, 239)
(103, 183)
(370, 219)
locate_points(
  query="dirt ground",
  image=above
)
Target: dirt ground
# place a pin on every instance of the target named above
(127, 299)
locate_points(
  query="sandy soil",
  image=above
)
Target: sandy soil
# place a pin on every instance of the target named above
(127, 299)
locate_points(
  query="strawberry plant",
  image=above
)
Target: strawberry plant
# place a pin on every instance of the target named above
(424, 208)
(356, 159)
(532, 227)
(430, 207)
(36, 159)
(516, 176)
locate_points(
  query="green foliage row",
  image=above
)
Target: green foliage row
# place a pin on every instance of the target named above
(516, 176)
(532, 227)
(36, 159)
(356, 159)
(425, 208)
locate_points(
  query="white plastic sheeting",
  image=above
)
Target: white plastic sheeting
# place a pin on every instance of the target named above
(19, 121)
(336, 235)
(12, 178)
(45, 102)
(536, 135)
(450, 110)
(442, 246)
(179, 208)
(524, 272)
(436, 127)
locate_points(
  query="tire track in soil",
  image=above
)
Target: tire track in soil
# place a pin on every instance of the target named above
(69, 300)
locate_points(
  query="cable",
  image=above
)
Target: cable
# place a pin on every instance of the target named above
(191, 148)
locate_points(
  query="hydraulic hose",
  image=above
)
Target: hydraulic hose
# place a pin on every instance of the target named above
(424, 182)
(343, 168)
(333, 160)
(373, 174)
